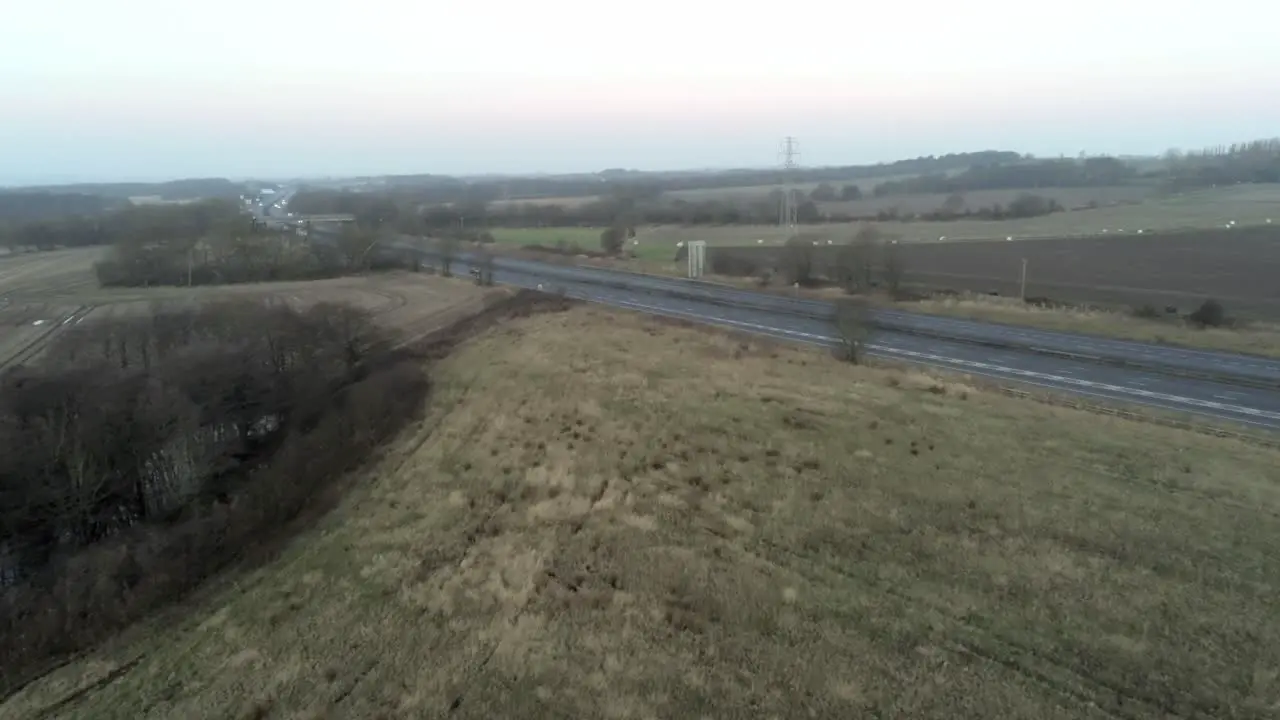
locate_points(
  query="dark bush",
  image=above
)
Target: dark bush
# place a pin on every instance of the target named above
(798, 260)
(612, 239)
(729, 263)
(1209, 314)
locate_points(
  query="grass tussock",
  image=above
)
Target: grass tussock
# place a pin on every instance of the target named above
(606, 516)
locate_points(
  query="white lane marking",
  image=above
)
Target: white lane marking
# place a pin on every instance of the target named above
(738, 323)
(1137, 347)
(1060, 380)
(1224, 407)
(1104, 396)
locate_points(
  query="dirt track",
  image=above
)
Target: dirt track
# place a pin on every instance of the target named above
(41, 294)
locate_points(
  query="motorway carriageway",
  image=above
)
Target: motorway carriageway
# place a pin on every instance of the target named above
(1248, 369)
(935, 341)
(1100, 382)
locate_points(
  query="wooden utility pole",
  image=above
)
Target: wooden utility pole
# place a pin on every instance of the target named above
(1023, 281)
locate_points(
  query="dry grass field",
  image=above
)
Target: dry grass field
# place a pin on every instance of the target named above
(42, 294)
(673, 522)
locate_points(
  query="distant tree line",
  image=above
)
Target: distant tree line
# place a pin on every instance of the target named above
(438, 189)
(185, 189)
(19, 207)
(1061, 173)
(1251, 162)
(627, 209)
(128, 223)
(209, 242)
(1257, 161)
(243, 251)
(39, 218)
(143, 455)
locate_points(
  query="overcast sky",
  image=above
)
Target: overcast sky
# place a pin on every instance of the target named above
(155, 89)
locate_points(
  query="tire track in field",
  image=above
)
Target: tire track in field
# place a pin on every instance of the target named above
(301, 299)
(394, 301)
(36, 344)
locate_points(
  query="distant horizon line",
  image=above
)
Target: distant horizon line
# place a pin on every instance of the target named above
(48, 185)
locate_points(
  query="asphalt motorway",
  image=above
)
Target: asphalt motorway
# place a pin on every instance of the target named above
(1024, 357)
(1251, 370)
(1098, 382)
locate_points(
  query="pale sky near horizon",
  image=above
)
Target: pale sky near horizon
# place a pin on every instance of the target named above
(147, 89)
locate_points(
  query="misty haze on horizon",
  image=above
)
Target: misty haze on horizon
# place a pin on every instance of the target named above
(142, 90)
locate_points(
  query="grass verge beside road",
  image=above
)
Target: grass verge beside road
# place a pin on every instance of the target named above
(1256, 338)
(1251, 337)
(606, 515)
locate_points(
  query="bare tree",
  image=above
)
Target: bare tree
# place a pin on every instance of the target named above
(853, 324)
(447, 249)
(356, 244)
(613, 238)
(893, 267)
(145, 453)
(825, 192)
(797, 259)
(483, 266)
(865, 241)
(854, 261)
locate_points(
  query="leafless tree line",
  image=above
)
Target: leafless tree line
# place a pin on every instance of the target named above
(143, 455)
(248, 254)
(865, 263)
